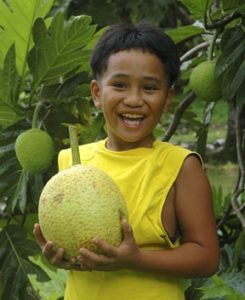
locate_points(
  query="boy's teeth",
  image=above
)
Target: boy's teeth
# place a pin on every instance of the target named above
(132, 119)
(132, 116)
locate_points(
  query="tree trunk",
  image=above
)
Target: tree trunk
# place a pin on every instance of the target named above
(229, 151)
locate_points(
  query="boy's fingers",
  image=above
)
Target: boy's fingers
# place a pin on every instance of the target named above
(48, 250)
(106, 248)
(57, 258)
(39, 236)
(127, 230)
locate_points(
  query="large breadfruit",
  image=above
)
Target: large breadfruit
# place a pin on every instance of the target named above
(78, 204)
(34, 150)
(204, 83)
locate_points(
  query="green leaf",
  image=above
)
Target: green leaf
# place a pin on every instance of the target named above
(6, 148)
(196, 8)
(185, 32)
(20, 194)
(230, 285)
(231, 4)
(14, 262)
(239, 247)
(13, 180)
(227, 91)
(53, 289)
(235, 280)
(16, 21)
(233, 45)
(8, 89)
(59, 50)
(220, 201)
(231, 39)
(240, 96)
(7, 115)
(9, 79)
(239, 78)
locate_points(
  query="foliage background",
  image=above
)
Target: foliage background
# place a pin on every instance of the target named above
(44, 82)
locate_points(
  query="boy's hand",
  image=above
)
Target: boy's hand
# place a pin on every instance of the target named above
(122, 256)
(55, 257)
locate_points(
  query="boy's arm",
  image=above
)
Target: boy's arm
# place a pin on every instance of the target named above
(198, 254)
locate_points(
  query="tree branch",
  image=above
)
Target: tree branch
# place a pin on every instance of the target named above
(177, 115)
(224, 21)
(191, 52)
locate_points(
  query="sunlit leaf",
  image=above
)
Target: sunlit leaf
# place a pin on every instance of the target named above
(16, 21)
(196, 8)
(59, 50)
(183, 33)
(8, 90)
(229, 285)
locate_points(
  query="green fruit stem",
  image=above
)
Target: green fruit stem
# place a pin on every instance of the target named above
(36, 115)
(74, 145)
(212, 44)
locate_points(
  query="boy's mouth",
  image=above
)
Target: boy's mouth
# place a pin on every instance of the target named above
(132, 119)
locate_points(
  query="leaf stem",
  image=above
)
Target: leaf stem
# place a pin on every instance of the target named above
(74, 145)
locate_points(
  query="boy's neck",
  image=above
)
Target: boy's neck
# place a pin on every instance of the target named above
(123, 145)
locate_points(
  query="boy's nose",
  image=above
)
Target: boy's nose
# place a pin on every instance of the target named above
(134, 99)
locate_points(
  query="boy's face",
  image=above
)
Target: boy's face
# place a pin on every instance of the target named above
(132, 93)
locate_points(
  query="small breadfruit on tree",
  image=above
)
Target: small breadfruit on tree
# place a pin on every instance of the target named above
(204, 83)
(35, 150)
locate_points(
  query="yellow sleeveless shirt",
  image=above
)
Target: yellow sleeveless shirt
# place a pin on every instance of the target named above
(144, 176)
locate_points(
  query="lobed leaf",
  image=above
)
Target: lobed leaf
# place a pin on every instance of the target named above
(59, 50)
(24, 15)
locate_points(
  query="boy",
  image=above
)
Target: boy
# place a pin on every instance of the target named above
(171, 230)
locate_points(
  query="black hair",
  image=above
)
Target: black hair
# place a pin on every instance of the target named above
(144, 36)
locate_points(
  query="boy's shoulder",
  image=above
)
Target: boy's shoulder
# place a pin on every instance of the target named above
(172, 153)
(171, 148)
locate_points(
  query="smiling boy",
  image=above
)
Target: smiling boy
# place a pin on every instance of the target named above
(171, 232)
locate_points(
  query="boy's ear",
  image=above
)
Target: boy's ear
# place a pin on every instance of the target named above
(95, 92)
(168, 99)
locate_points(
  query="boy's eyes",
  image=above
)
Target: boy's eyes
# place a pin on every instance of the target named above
(150, 87)
(146, 87)
(119, 85)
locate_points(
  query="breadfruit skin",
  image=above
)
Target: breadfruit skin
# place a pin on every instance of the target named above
(204, 84)
(79, 204)
(34, 150)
